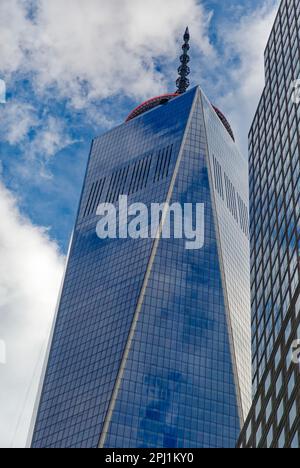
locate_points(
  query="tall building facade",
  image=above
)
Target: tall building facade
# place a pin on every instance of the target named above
(274, 420)
(151, 345)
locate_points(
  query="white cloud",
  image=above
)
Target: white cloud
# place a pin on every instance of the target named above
(13, 31)
(245, 81)
(111, 47)
(39, 137)
(103, 48)
(52, 138)
(30, 274)
(16, 120)
(2, 92)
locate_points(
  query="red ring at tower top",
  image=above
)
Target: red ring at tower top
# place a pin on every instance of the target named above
(150, 104)
(182, 84)
(165, 98)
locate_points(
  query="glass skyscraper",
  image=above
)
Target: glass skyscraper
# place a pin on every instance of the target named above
(151, 345)
(274, 420)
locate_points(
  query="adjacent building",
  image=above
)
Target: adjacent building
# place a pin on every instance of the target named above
(274, 420)
(151, 345)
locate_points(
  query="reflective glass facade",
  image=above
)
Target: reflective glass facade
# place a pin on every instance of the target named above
(275, 228)
(151, 342)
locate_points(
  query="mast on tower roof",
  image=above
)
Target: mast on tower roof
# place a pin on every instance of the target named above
(183, 82)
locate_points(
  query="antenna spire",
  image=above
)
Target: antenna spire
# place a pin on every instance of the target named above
(183, 82)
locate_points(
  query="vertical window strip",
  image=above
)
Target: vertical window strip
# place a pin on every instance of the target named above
(230, 196)
(221, 181)
(161, 156)
(169, 160)
(218, 178)
(94, 198)
(93, 206)
(156, 168)
(233, 200)
(218, 175)
(99, 195)
(165, 163)
(123, 179)
(137, 176)
(142, 175)
(227, 193)
(86, 211)
(215, 174)
(109, 187)
(247, 221)
(245, 218)
(136, 173)
(241, 214)
(235, 211)
(117, 185)
(144, 170)
(148, 171)
(132, 178)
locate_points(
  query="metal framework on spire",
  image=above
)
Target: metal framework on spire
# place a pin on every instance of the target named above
(183, 82)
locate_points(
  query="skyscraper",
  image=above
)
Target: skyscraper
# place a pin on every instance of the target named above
(274, 420)
(151, 345)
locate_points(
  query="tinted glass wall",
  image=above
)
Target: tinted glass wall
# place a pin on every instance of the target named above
(143, 349)
(274, 209)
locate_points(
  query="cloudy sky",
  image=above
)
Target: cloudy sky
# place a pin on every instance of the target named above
(74, 69)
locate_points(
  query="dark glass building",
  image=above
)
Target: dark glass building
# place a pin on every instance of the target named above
(274, 420)
(151, 345)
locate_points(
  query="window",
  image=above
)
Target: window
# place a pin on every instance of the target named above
(249, 432)
(295, 442)
(277, 358)
(293, 415)
(291, 385)
(258, 435)
(280, 412)
(281, 442)
(218, 178)
(231, 197)
(269, 410)
(268, 383)
(163, 164)
(270, 437)
(288, 331)
(94, 197)
(258, 408)
(278, 385)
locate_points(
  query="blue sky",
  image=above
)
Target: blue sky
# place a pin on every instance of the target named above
(48, 188)
(73, 70)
